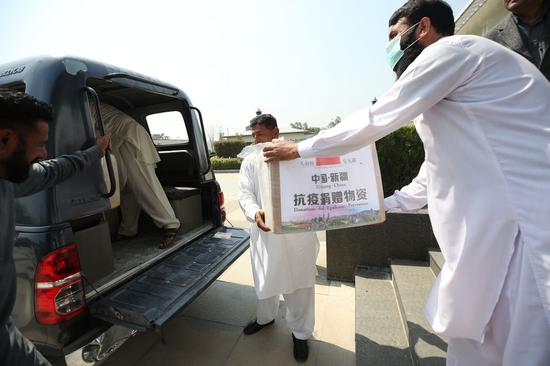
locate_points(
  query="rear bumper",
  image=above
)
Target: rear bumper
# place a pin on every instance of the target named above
(101, 347)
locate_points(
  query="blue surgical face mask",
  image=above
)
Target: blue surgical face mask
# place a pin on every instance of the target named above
(394, 53)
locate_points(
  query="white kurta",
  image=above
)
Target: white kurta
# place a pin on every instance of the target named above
(485, 126)
(518, 333)
(124, 128)
(137, 157)
(281, 263)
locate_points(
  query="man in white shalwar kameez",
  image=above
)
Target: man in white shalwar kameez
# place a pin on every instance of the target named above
(140, 188)
(525, 14)
(484, 119)
(281, 264)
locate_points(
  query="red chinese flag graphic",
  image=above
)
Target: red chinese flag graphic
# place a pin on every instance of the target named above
(327, 161)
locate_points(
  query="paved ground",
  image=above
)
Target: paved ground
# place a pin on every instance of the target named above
(209, 332)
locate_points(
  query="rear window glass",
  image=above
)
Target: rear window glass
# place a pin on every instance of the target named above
(17, 86)
(167, 128)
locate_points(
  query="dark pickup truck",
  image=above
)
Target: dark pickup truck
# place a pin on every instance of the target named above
(77, 288)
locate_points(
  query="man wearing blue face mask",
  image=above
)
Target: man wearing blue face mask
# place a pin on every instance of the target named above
(526, 31)
(483, 115)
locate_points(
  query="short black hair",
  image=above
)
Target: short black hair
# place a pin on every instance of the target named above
(266, 120)
(439, 12)
(20, 110)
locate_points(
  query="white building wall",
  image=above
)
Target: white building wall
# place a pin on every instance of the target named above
(480, 16)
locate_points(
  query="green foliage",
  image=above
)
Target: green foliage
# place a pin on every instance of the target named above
(225, 163)
(334, 122)
(400, 155)
(229, 148)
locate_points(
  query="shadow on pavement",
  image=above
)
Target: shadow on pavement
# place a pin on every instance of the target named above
(209, 332)
(371, 353)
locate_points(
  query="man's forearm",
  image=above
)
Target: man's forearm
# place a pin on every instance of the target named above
(50, 172)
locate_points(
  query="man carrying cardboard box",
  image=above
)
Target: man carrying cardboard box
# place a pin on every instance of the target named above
(484, 120)
(281, 264)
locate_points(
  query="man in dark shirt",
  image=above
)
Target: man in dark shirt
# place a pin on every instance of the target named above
(23, 134)
(527, 31)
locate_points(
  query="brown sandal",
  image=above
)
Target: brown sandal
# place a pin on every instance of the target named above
(168, 238)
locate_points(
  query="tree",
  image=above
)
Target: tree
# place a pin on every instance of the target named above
(304, 127)
(335, 121)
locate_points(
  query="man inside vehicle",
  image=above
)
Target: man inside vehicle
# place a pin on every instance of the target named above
(140, 186)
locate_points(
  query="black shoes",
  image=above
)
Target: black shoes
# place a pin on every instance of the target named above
(301, 350)
(254, 327)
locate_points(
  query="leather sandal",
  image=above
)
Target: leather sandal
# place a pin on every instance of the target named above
(168, 238)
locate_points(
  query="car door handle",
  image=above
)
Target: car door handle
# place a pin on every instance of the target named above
(108, 160)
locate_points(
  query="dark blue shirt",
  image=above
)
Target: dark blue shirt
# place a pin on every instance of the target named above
(42, 175)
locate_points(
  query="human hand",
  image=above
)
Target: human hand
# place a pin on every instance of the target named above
(104, 142)
(260, 221)
(281, 150)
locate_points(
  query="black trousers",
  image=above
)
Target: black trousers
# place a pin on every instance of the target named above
(15, 349)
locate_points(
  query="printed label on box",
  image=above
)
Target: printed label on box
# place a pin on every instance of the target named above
(326, 193)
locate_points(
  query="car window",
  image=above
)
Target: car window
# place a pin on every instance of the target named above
(167, 128)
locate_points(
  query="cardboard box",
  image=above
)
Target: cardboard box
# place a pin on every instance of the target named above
(323, 193)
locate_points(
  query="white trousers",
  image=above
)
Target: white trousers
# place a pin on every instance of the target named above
(518, 333)
(141, 189)
(300, 311)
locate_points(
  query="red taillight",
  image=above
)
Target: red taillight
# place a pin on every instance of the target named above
(59, 293)
(221, 199)
(221, 202)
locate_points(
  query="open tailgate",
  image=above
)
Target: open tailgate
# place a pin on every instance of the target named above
(155, 295)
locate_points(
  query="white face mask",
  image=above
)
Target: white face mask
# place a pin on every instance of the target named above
(394, 53)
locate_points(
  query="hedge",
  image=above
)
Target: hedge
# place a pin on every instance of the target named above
(225, 163)
(400, 155)
(229, 149)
